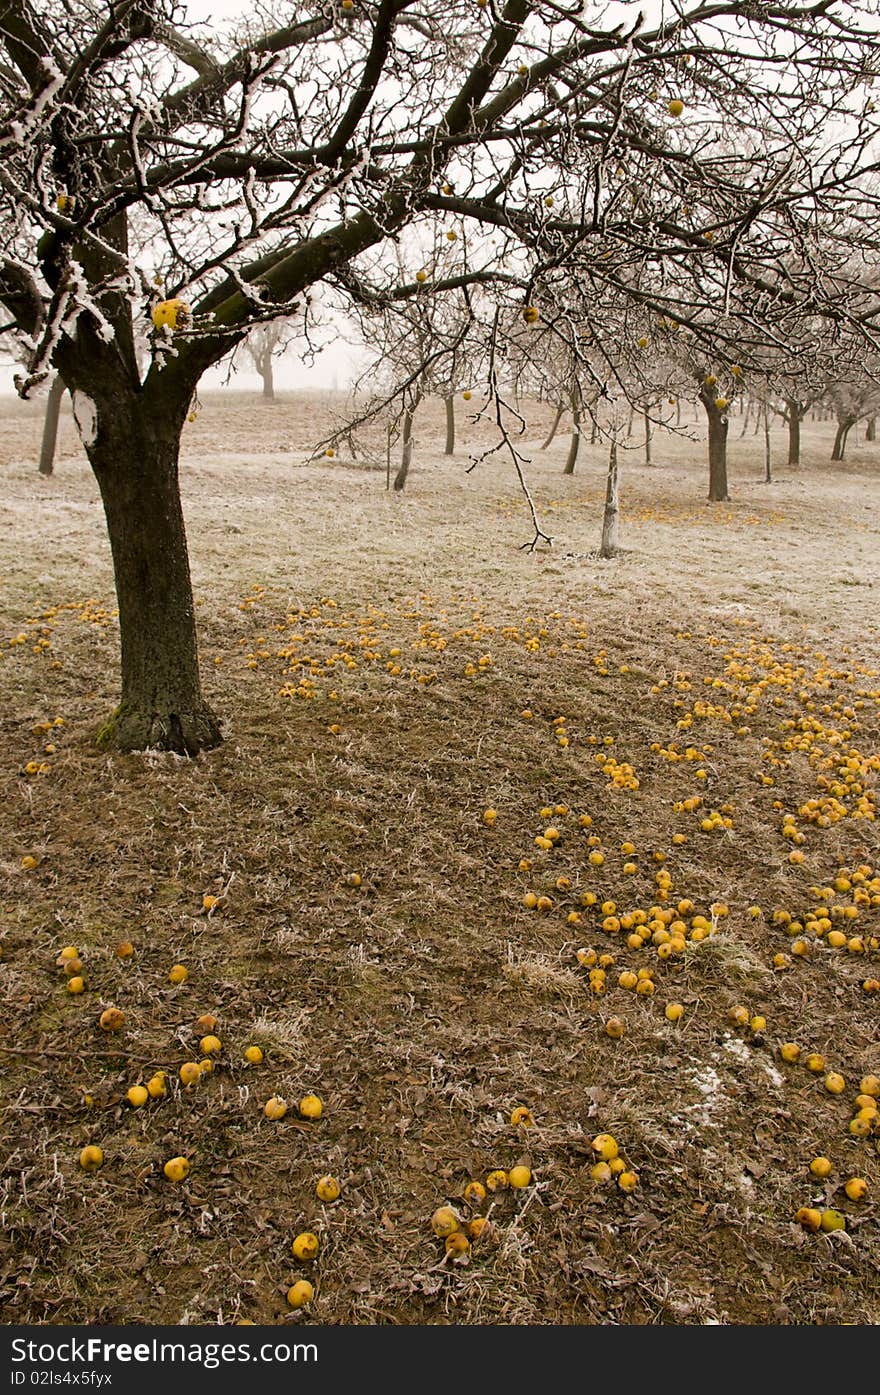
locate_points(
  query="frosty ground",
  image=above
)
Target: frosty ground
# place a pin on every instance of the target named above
(373, 656)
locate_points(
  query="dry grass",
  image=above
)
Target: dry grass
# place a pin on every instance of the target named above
(425, 1003)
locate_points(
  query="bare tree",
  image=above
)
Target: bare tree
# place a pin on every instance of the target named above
(419, 347)
(263, 345)
(238, 167)
(852, 401)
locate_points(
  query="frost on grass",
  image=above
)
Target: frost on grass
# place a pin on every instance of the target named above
(283, 1035)
(429, 1028)
(710, 1088)
(740, 1050)
(731, 957)
(539, 974)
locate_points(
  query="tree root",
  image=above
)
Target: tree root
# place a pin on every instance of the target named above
(133, 728)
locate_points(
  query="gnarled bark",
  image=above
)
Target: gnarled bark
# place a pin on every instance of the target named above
(135, 463)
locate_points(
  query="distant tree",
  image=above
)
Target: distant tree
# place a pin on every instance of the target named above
(419, 347)
(787, 380)
(263, 344)
(852, 401)
(610, 544)
(793, 410)
(554, 363)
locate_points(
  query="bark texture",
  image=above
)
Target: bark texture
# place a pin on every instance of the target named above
(450, 425)
(718, 428)
(794, 415)
(135, 463)
(610, 545)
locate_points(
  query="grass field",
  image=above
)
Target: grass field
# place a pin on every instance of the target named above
(388, 669)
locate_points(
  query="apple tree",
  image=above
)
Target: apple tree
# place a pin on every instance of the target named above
(167, 186)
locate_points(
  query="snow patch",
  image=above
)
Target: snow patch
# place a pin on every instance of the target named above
(709, 1084)
(775, 1076)
(734, 1046)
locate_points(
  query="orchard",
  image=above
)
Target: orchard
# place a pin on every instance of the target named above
(439, 869)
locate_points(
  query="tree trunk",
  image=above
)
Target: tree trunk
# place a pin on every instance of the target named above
(795, 415)
(265, 367)
(575, 445)
(50, 426)
(407, 450)
(768, 478)
(629, 425)
(839, 448)
(450, 425)
(718, 427)
(594, 431)
(747, 416)
(678, 413)
(871, 429)
(610, 545)
(135, 463)
(647, 418)
(555, 427)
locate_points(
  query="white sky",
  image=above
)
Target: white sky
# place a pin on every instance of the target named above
(334, 368)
